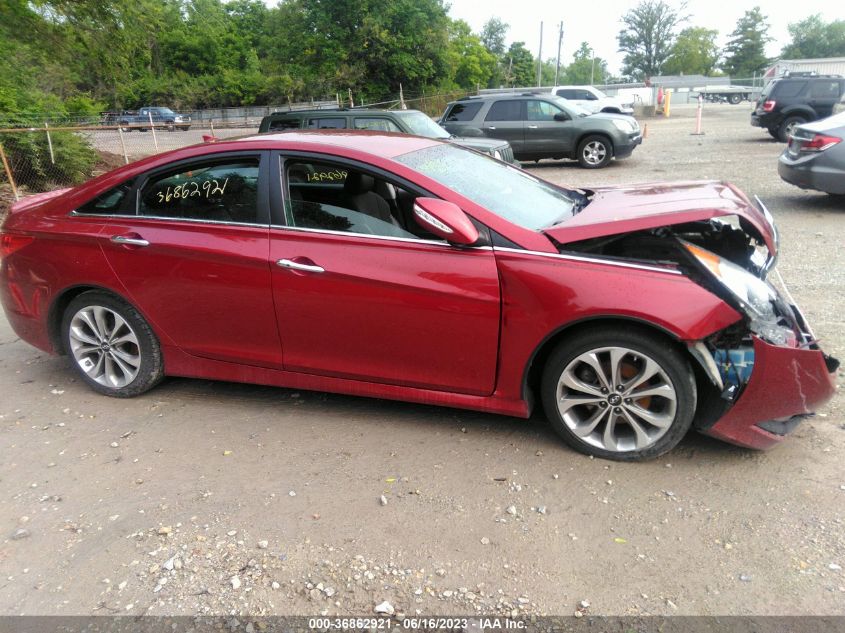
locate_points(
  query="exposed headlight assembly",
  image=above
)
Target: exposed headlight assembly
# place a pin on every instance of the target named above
(755, 297)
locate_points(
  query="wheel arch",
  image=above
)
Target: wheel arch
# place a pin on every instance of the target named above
(532, 373)
(802, 111)
(603, 133)
(60, 303)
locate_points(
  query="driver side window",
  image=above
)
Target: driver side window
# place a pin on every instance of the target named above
(541, 111)
(333, 197)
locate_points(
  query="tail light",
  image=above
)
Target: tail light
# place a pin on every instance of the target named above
(10, 243)
(819, 143)
(769, 105)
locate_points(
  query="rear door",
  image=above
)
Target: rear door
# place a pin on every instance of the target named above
(505, 120)
(193, 257)
(824, 94)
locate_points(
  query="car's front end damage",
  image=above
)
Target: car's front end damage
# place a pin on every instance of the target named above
(760, 376)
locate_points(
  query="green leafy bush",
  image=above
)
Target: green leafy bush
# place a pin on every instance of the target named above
(29, 157)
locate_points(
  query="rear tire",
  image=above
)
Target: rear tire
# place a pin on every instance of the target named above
(786, 127)
(111, 346)
(734, 99)
(773, 132)
(594, 152)
(624, 395)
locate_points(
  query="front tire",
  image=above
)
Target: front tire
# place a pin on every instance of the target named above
(111, 346)
(594, 152)
(620, 395)
(734, 99)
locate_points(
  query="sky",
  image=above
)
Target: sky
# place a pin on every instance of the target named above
(598, 21)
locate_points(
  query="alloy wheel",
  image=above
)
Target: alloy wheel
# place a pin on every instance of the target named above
(594, 152)
(616, 399)
(105, 346)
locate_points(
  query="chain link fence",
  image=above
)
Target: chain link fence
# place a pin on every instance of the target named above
(46, 152)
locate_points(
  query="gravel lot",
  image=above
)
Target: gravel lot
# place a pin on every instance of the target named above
(215, 498)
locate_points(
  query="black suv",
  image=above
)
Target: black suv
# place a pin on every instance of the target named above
(545, 126)
(794, 99)
(402, 121)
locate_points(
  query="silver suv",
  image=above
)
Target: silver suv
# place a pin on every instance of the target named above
(542, 126)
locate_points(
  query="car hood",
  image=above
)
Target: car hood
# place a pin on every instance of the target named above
(616, 210)
(484, 144)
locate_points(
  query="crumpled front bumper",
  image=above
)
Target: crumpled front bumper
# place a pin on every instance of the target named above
(786, 383)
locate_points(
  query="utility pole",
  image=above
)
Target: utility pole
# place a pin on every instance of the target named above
(540, 57)
(559, 42)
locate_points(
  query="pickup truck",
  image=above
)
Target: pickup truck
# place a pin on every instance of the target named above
(724, 94)
(164, 117)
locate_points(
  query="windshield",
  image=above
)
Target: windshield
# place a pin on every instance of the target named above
(421, 125)
(573, 109)
(507, 191)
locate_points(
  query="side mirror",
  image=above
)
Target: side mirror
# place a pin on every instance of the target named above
(446, 220)
(561, 116)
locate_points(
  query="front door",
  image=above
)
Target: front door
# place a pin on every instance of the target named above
(545, 136)
(194, 258)
(362, 293)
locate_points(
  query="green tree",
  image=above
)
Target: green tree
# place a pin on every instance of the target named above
(694, 52)
(812, 38)
(493, 35)
(469, 62)
(520, 69)
(745, 52)
(648, 37)
(585, 68)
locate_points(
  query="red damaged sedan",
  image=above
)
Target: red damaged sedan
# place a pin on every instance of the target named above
(399, 267)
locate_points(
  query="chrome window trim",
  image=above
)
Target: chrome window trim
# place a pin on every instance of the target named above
(592, 260)
(169, 219)
(375, 237)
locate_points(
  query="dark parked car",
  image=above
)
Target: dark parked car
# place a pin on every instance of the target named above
(403, 121)
(815, 156)
(407, 268)
(164, 117)
(544, 126)
(795, 99)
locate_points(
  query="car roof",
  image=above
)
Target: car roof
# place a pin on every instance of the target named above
(376, 143)
(509, 95)
(339, 111)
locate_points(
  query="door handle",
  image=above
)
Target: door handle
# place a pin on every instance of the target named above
(491, 127)
(132, 241)
(532, 127)
(310, 268)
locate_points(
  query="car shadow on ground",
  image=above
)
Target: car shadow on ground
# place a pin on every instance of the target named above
(531, 434)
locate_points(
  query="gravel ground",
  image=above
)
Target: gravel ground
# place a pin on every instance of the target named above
(215, 498)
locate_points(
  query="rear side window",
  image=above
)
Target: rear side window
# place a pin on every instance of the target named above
(567, 93)
(785, 89)
(375, 123)
(335, 123)
(463, 112)
(285, 124)
(505, 111)
(825, 89)
(109, 203)
(222, 191)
